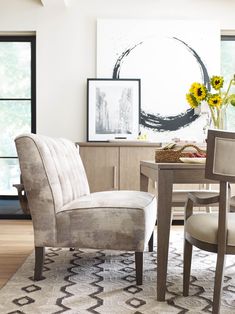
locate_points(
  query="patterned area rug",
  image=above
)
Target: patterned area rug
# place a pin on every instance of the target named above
(89, 281)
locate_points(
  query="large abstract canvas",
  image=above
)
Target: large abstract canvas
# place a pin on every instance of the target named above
(167, 56)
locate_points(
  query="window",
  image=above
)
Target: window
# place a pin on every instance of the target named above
(17, 103)
(228, 71)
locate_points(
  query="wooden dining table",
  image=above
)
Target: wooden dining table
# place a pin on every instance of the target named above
(167, 174)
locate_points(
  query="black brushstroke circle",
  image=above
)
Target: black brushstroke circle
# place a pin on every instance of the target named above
(157, 122)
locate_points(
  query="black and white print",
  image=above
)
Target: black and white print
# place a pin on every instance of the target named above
(113, 109)
(114, 116)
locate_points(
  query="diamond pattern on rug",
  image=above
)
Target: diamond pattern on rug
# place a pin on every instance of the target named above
(133, 289)
(31, 288)
(135, 302)
(23, 301)
(103, 282)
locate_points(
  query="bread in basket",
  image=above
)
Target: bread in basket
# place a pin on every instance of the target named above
(174, 155)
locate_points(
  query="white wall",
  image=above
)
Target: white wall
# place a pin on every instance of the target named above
(66, 47)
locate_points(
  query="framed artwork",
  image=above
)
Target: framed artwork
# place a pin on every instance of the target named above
(167, 55)
(113, 109)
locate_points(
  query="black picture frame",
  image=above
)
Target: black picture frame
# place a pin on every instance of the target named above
(113, 109)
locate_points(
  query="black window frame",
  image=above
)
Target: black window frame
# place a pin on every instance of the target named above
(228, 37)
(32, 40)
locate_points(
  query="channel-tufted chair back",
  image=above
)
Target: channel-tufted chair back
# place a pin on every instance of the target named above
(53, 175)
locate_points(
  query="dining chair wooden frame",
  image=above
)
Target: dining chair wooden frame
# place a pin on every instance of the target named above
(218, 154)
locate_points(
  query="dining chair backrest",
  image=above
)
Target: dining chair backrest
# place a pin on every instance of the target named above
(220, 162)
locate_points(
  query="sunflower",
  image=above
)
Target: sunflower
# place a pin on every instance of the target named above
(193, 86)
(217, 82)
(199, 91)
(192, 100)
(215, 100)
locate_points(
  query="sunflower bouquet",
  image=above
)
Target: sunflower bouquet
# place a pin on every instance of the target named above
(217, 101)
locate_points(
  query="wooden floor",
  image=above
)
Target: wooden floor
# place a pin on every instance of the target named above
(16, 243)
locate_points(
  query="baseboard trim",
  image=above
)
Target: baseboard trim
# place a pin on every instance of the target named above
(15, 216)
(179, 222)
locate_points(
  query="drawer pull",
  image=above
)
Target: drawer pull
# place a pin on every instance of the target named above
(115, 177)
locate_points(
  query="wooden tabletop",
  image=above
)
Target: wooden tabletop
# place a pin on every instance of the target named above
(171, 165)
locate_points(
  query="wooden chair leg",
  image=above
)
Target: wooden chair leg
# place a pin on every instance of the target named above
(151, 243)
(139, 267)
(187, 266)
(219, 276)
(187, 250)
(39, 260)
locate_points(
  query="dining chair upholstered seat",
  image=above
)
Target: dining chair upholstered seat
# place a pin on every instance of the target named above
(213, 232)
(204, 227)
(66, 214)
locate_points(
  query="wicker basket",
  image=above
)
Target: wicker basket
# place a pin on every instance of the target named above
(173, 155)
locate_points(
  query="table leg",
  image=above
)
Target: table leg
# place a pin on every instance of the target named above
(144, 182)
(165, 186)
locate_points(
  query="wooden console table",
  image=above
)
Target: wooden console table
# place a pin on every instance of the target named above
(166, 174)
(115, 165)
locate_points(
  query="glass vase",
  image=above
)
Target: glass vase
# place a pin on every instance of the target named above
(219, 121)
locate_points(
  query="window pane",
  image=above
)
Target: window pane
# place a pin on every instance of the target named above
(15, 118)
(9, 175)
(228, 71)
(15, 70)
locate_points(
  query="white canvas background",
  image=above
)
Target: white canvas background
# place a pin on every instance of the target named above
(164, 65)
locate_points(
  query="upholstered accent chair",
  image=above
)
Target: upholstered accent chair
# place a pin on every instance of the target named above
(66, 214)
(210, 231)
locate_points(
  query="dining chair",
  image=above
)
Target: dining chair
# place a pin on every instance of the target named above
(213, 232)
(64, 212)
